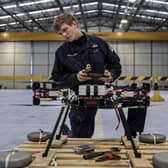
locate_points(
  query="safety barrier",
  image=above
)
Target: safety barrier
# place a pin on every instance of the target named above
(156, 94)
(156, 97)
(141, 78)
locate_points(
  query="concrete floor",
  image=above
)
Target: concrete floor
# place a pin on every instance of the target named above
(18, 118)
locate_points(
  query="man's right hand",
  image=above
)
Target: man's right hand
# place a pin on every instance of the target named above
(82, 76)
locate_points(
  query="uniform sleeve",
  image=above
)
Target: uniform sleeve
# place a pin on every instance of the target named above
(112, 61)
(59, 73)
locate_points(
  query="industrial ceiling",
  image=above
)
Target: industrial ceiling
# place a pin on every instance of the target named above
(100, 15)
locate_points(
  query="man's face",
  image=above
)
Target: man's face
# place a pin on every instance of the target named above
(68, 31)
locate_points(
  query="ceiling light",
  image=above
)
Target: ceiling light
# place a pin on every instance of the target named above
(43, 10)
(157, 2)
(28, 3)
(5, 17)
(89, 4)
(1, 25)
(124, 21)
(109, 4)
(131, 1)
(9, 6)
(5, 34)
(35, 2)
(157, 12)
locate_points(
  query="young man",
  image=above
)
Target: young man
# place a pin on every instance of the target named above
(71, 58)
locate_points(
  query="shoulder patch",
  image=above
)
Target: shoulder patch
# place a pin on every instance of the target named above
(94, 45)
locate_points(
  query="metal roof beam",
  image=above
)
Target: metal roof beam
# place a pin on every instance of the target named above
(133, 17)
(160, 25)
(60, 6)
(99, 13)
(16, 18)
(32, 18)
(83, 15)
(116, 16)
(38, 24)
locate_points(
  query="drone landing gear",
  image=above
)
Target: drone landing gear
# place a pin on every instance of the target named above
(65, 109)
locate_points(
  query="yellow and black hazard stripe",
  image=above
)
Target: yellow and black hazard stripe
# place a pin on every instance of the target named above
(46, 78)
(162, 78)
(144, 78)
(138, 78)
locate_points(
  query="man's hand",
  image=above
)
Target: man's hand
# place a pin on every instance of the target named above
(82, 76)
(107, 78)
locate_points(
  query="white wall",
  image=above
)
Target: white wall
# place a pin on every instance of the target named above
(23, 58)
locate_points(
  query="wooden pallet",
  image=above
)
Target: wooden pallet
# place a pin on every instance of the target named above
(63, 156)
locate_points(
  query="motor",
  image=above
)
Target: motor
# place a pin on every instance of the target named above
(69, 96)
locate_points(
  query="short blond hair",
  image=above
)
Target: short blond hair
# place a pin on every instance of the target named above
(63, 18)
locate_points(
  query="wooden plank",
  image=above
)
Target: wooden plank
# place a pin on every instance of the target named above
(139, 162)
(99, 166)
(67, 158)
(73, 156)
(127, 143)
(92, 163)
(42, 162)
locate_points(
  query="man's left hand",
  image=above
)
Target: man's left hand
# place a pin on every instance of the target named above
(107, 78)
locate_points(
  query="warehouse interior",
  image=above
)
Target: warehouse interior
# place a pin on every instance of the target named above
(137, 30)
(101, 15)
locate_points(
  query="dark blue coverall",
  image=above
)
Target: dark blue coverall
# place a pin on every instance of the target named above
(70, 58)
